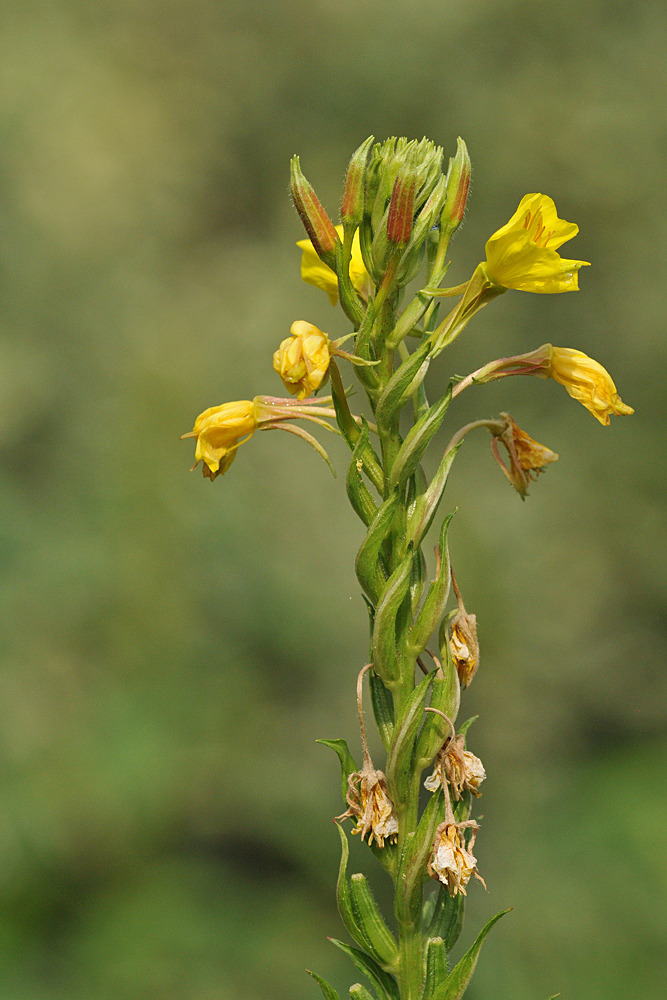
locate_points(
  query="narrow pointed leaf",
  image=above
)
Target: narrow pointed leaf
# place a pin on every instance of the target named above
(383, 708)
(343, 897)
(468, 723)
(432, 610)
(347, 764)
(412, 872)
(458, 979)
(385, 660)
(403, 383)
(405, 732)
(357, 491)
(368, 564)
(426, 507)
(447, 919)
(417, 440)
(329, 992)
(384, 984)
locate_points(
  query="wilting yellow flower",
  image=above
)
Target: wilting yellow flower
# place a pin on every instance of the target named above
(587, 381)
(463, 770)
(315, 272)
(522, 254)
(219, 431)
(302, 360)
(450, 862)
(371, 806)
(463, 642)
(532, 455)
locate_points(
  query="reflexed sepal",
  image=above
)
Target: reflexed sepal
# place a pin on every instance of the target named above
(426, 506)
(383, 945)
(456, 983)
(385, 659)
(399, 760)
(383, 708)
(417, 440)
(347, 764)
(329, 992)
(343, 897)
(436, 967)
(385, 985)
(436, 599)
(447, 919)
(412, 872)
(401, 386)
(368, 564)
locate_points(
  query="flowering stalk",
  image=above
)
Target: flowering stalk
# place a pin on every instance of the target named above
(398, 215)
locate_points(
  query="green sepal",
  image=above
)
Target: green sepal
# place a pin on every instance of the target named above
(418, 438)
(399, 759)
(358, 493)
(457, 981)
(436, 599)
(329, 992)
(412, 871)
(385, 659)
(382, 942)
(347, 764)
(368, 564)
(343, 897)
(420, 520)
(436, 967)
(383, 708)
(360, 992)
(447, 919)
(404, 382)
(385, 985)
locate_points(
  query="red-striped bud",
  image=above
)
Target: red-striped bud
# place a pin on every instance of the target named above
(458, 183)
(317, 223)
(352, 205)
(402, 208)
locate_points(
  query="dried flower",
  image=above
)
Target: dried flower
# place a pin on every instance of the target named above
(463, 640)
(527, 457)
(315, 272)
(522, 254)
(452, 863)
(587, 381)
(463, 771)
(302, 360)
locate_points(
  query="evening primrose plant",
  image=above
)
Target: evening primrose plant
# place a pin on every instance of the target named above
(399, 212)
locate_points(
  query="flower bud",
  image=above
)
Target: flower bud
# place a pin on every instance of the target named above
(586, 380)
(302, 360)
(402, 208)
(317, 223)
(458, 183)
(352, 205)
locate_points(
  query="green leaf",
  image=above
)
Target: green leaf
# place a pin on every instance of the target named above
(447, 919)
(436, 599)
(457, 982)
(436, 967)
(412, 872)
(329, 991)
(464, 729)
(403, 383)
(347, 764)
(416, 442)
(368, 564)
(360, 992)
(383, 945)
(445, 696)
(420, 520)
(384, 984)
(383, 708)
(385, 661)
(399, 760)
(343, 897)
(363, 458)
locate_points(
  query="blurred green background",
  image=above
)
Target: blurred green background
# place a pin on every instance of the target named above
(171, 649)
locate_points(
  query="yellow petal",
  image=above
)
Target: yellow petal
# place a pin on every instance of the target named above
(316, 272)
(586, 380)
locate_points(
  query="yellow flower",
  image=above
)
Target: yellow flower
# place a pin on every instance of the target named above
(450, 862)
(589, 382)
(522, 254)
(219, 431)
(302, 360)
(315, 272)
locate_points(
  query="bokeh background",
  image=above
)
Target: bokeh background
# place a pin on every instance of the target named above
(172, 648)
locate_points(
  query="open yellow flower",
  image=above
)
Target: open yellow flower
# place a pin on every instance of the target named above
(302, 360)
(315, 272)
(219, 431)
(587, 381)
(522, 254)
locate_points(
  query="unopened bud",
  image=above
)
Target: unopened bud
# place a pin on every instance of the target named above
(302, 360)
(352, 205)
(458, 182)
(318, 225)
(402, 207)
